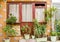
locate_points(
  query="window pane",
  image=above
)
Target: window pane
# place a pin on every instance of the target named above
(56, 1)
(39, 14)
(14, 10)
(57, 15)
(27, 12)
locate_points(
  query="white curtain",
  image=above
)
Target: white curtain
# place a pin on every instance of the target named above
(39, 14)
(27, 12)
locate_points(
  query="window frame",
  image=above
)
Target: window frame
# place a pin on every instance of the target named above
(8, 10)
(20, 8)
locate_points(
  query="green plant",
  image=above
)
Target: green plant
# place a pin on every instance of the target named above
(8, 28)
(58, 34)
(53, 33)
(9, 31)
(57, 25)
(11, 20)
(49, 13)
(25, 29)
(39, 29)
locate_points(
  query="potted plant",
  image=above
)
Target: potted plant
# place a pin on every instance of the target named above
(57, 28)
(39, 31)
(58, 35)
(49, 14)
(53, 36)
(26, 31)
(8, 30)
(32, 36)
(11, 20)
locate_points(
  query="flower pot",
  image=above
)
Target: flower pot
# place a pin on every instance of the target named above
(33, 36)
(44, 39)
(37, 39)
(6, 40)
(53, 38)
(26, 36)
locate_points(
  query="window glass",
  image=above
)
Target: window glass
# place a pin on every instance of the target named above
(27, 12)
(14, 10)
(39, 14)
(57, 15)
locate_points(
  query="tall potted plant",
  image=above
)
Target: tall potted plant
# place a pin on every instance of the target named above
(8, 30)
(39, 31)
(26, 31)
(49, 14)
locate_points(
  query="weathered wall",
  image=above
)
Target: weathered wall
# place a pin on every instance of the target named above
(3, 15)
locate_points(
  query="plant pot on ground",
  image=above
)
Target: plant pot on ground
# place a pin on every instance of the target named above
(39, 31)
(8, 30)
(32, 36)
(6, 40)
(53, 36)
(26, 31)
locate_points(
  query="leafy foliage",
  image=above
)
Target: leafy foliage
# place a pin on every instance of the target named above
(38, 28)
(58, 33)
(53, 33)
(25, 29)
(50, 13)
(57, 25)
(11, 20)
(8, 28)
(9, 31)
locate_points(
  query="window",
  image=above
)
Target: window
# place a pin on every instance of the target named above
(14, 10)
(26, 12)
(39, 12)
(55, 3)
(57, 15)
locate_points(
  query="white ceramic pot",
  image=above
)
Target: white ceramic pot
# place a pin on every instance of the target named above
(37, 39)
(6, 40)
(26, 36)
(44, 39)
(33, 36)
(53, 38)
